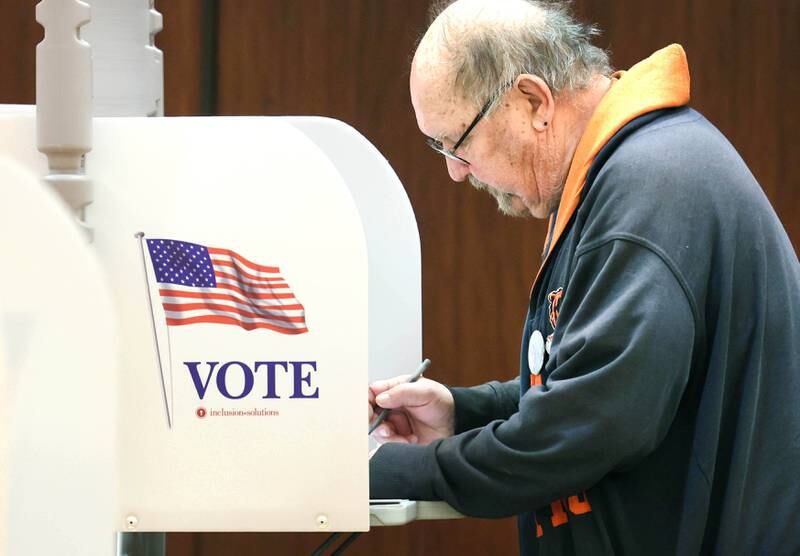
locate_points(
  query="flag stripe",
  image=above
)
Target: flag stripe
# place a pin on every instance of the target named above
(236, 256)
(174, 294)
(260, 285)
(278, 298)
(175, 302)
(246, 272)
(256, 295)
(291, 311)
(268, 281)
(231, 314)
(231, 309)
(234, 321)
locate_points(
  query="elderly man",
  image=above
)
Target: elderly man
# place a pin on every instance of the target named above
(657, 408)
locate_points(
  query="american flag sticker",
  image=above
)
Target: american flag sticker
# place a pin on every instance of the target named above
(200, 284)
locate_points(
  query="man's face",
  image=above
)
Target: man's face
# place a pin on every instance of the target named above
(500, 151)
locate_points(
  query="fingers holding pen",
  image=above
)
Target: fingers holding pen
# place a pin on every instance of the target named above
(400, 394)
(375, 389)
(395, 428)
(377, 393)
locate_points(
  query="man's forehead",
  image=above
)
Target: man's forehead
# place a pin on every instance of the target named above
(438, 111)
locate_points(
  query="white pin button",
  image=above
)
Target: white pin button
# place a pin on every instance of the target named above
(536, 352)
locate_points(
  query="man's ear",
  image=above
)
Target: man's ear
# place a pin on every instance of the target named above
(539, 99)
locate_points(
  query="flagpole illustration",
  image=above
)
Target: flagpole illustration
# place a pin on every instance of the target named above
(167, 397)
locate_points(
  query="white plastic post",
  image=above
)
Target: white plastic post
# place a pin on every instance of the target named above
(64, 84)
(64, 100)
(127, 65)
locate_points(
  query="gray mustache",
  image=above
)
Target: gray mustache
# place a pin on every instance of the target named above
(504, 200)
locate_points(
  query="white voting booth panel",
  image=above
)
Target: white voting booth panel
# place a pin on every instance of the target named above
(296, 460)
(223, 428)
(5, 400)
(58, 352)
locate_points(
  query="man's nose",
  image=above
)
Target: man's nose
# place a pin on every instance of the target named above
(458, 170)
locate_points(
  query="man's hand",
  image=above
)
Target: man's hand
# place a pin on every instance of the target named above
(422, 411)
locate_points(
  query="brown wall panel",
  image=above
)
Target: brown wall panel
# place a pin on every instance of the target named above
(18, 39)
(180, 42)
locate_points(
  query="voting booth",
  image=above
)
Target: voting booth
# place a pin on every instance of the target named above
(258, 268)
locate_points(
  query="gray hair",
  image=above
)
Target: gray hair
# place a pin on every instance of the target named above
(486, 53)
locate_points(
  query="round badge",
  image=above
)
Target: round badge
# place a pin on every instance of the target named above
(536, 352)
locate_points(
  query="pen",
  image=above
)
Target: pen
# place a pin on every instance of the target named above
(415, 377)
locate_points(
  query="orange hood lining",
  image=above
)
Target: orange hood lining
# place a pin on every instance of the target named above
(660, 81)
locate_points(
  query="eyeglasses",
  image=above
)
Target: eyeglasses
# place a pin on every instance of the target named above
(436, 145)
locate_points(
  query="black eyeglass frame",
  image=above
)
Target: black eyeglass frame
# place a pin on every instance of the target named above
(437, 146)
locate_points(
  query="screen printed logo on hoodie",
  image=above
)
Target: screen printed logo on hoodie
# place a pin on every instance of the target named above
(558, 512)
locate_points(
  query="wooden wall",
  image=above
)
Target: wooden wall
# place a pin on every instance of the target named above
(349, 59)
